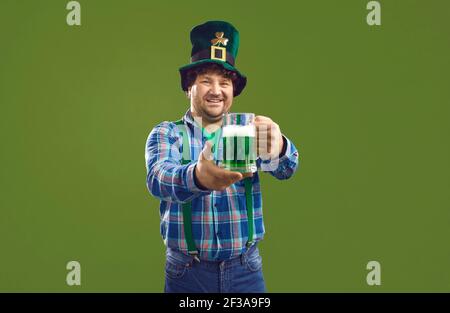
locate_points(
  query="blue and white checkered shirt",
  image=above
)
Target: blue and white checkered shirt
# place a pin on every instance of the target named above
(219, 218)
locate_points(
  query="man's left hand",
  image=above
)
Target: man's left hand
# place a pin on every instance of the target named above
(268, 137)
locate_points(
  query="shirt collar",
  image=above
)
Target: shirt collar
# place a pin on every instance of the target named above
(190, 119)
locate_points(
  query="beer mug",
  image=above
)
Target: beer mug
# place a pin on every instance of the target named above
(239, 142)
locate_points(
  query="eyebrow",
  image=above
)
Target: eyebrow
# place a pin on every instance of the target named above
(221, 79)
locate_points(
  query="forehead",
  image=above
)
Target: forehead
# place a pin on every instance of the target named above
(212, 75)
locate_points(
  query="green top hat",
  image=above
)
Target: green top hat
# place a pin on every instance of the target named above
(215, 42)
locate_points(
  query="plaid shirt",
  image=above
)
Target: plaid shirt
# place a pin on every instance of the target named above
(219, 218)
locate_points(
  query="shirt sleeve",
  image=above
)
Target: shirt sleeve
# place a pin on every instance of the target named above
(284, 166)
(167, 178)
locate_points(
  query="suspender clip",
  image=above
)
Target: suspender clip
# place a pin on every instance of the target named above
(194, 254)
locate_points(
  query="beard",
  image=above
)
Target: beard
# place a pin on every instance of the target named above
(211, 114)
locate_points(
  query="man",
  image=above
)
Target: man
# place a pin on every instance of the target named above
(204, 220)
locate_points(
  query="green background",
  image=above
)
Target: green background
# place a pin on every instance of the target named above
(367, 107)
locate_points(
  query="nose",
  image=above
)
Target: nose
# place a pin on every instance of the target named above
(215, 89)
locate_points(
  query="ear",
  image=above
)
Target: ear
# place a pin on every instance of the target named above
(188, 93)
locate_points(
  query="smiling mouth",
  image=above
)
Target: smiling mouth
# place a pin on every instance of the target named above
(214, 101)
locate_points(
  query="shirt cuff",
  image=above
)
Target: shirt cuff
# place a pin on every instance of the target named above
(287, 145)
(283, 151)
(277, 164)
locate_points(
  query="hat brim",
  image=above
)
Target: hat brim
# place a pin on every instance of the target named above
(239, 85)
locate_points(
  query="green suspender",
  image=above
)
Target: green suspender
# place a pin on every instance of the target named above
(249, 204)
(187, 207)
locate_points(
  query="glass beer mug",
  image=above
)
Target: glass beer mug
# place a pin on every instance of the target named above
(239, 142)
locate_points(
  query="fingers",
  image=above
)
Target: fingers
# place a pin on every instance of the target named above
(233, 177)
(264, 145)
(221, 179)
(262, 118)
(230, 177)
(268, 138)
(263, 134)
(263, 126)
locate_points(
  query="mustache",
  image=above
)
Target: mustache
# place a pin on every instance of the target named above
(215, 97)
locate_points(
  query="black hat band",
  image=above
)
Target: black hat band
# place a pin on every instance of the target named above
(206, 54)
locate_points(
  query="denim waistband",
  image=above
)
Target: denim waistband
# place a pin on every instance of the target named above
(184, 258)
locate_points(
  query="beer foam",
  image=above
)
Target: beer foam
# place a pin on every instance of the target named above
(238, 130)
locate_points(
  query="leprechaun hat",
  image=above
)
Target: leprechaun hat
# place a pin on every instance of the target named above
(215, 42)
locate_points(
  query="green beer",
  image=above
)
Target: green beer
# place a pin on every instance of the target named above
(239, 143)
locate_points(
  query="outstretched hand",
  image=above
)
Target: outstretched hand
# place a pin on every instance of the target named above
(211, 176)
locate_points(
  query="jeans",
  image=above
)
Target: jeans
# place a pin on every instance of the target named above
(241, 274)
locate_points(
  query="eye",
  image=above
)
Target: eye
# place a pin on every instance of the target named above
(225, 83)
